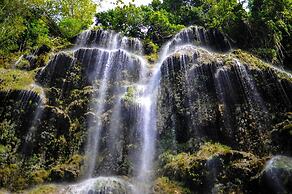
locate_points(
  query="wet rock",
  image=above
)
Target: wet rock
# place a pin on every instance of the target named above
(282, 135)
(277, 175)
(55, 72)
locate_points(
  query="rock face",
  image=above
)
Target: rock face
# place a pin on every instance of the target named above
(209, 96)
(218, 117)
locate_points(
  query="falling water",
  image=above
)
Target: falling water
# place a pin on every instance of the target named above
(225, 95)
(148, 102)
(114, 142)
(250, 88)
(18, 61)
(112, 55)
(94, 134)
(35, 121)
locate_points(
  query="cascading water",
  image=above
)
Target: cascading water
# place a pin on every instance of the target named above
(113, 61)
(35, 121)
(108, 60)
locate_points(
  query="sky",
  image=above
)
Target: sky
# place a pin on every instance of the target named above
(108, 4)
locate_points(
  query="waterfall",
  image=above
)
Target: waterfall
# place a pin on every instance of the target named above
(112, 56)
(29, 138)
(125, 89)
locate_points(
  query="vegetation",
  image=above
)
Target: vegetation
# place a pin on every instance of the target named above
(16, 79)
(263, 30)
(26, 25)
(151, 25)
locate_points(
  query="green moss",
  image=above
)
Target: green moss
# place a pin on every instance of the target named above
(12, 178)
(288, 127)
(130, 94)
(254, 62)
(69, 171)
(163, 185)
(282, 162)
(43, 189)
(193, 170)
(210, 149)
(39, 177)
(13, 79)
(152, 58)
(249, 59)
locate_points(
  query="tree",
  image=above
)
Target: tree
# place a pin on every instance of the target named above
(272, 24)
(26, 25)
(142, 22)
(75, 15)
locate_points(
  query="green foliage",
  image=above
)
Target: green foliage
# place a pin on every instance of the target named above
(75, 16)
(9, 142)
(128, 19)
(161, 26)
(70, 27)
(7, 135)
(264, 30)
(26, 25)
(129, 97)
(143, 22)
(272, 24)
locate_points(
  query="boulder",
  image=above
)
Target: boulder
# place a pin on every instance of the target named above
(277, 175)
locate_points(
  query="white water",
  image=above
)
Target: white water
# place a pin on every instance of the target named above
(101, 185)
(94, 134)
(116, 54)
(35, 121)
(250, 89)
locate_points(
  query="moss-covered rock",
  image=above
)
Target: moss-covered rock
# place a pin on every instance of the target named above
(67, 172)
(163, 185)
(211, 166)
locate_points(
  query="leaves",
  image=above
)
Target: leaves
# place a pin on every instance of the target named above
(26, 25)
